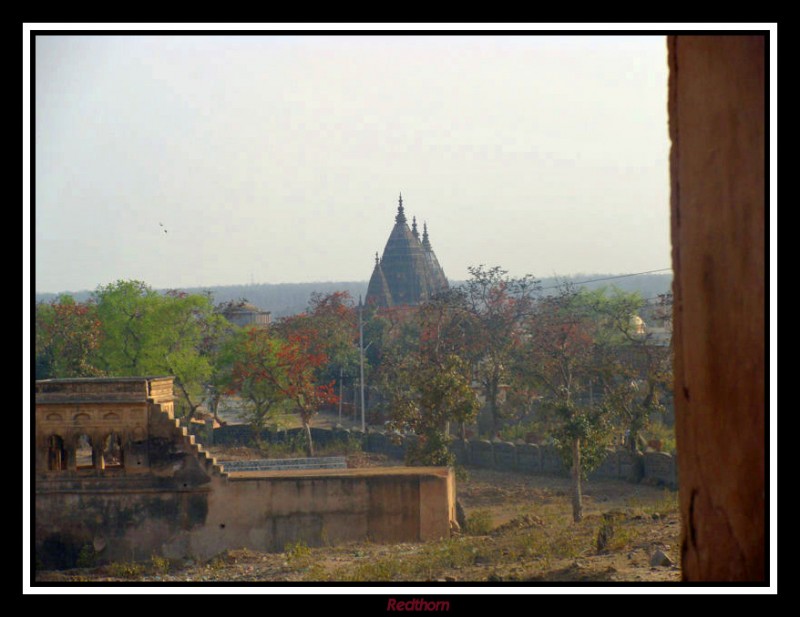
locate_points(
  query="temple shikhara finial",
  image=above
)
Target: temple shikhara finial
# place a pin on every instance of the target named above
(408, 272)
(376, 258)
(401, 215)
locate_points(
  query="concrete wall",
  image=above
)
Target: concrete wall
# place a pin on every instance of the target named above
(654, 468)
(265, 511)
(717, 117)
(122, 521)
(268, 510)
(242, 434)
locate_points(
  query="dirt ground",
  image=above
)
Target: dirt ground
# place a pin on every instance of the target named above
(519, 528)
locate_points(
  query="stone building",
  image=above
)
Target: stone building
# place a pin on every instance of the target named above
(117, 474)
(408, 272)
(242, 313)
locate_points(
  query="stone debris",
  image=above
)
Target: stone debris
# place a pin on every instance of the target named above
(660, 559)
(521, 522)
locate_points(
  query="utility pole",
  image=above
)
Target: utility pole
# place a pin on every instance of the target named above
(340, 395)
(361, 358)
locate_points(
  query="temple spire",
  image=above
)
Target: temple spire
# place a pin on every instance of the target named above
(376, 258)
(414, 228)
(425, 240)
(401, 216)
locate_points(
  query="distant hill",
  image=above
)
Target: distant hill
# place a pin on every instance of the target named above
(648, 285)
(284, 299)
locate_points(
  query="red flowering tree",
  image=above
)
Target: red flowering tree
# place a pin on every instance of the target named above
(271, 373)
(68, 336)
(328, 328)
(296, 379)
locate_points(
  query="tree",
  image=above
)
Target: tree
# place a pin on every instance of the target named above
(329, 327)
(496, 305)
(595, 370)
(147, 333)
(335, 321)
(68, 336)
(272, 372)
(192, 332)
(640, 376)
(247, 365)
(427, 382)
(426, 395)
(297, 381)
(315, 347)
(560, 358)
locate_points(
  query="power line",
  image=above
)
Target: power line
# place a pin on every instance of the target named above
(610, 278)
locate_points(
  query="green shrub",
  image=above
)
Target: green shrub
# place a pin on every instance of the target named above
(298, 554)
(217, 562)
(125, 570)
(663, 433)
(479, 523)
(521, 430)
(339, 447)
(87, 558)
(159, 565)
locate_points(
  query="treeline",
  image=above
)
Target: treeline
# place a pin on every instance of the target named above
(574, 364)
(284, 299)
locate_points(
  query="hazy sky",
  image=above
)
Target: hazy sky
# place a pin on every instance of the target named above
(280, 158)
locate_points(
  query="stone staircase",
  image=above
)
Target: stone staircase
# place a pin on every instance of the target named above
(209, 463)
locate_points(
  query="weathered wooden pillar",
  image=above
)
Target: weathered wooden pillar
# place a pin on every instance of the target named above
(717, 127)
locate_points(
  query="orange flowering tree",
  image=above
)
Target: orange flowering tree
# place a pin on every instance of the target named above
(296, 379)
(329, 328)
(273, 373)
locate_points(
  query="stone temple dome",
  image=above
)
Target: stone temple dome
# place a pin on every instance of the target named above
(408, 272)
(243, 313)
(638, 325)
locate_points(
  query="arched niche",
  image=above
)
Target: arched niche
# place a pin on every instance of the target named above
(56, 453)
(84, 451)
(113, 451)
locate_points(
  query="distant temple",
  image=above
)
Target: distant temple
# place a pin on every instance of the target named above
(408, 273)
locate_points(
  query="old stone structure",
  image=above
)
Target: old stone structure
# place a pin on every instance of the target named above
(243, 314)
(115, 472)
(408, 272)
